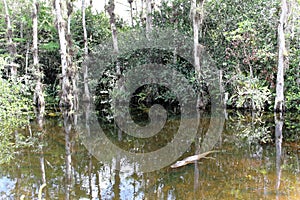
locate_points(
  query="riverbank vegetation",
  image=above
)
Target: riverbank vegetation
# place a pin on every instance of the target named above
(242, 37)
(255, 46)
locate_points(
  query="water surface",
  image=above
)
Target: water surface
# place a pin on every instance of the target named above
(252, 164)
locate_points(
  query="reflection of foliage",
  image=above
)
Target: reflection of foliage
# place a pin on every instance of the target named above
(258, 134)
(252, 129)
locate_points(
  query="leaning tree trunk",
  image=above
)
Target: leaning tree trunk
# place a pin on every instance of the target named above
(11, 45)
(148, 17)
(86, 95)
(111, 12)
(38, 97)
(66, 99)
(279, 99)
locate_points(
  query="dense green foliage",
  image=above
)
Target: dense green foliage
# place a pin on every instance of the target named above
(241, 37)
(15, 106)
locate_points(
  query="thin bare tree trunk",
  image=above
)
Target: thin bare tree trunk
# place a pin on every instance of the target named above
(223, 99)
(21, 30)
(201, 15)
(11, 45)
(142, 12)
(196, 39)
(72, 68)
(196, 34)
(86, 95)
(197, 18)
(136, 8)
(131, 11)
(38, 97)
(111, 12)
(279, 99)
(27, 61)
(148, 17)
(66, 99)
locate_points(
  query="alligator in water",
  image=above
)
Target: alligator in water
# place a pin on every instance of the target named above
(191, 159)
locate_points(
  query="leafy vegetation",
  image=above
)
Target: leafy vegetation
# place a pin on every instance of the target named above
(15, 108)
(249, 93)
(240, 36)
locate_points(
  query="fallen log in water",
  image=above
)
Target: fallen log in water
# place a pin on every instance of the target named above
(191, 159)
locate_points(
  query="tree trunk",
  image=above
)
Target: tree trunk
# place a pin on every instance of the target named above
(197, 18)
(38, 97)
(86, 95)
(66, 99)
(11, 45)
(72, 68)
(136, 8)
(21, 30)
(142, 13)
(131, 11)
(111, 12)
(27, 61)
(148, 17)
(197, 13)
(201, 15)
(279, 99)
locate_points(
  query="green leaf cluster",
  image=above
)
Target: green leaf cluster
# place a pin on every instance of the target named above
(249, 93)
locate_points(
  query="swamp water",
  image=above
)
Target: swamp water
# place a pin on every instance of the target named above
(251, 164)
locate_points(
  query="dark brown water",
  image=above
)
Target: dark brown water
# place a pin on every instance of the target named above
(251, 164)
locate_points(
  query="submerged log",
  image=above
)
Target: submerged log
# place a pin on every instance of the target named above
(191, 159)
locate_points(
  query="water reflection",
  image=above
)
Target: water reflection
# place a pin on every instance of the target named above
(246, 168)
(40, 127)
(67, 117)
(278, 143)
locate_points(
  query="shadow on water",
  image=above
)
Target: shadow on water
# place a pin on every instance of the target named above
(259, 158)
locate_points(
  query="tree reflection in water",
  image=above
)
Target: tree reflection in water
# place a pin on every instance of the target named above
(244, 170)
